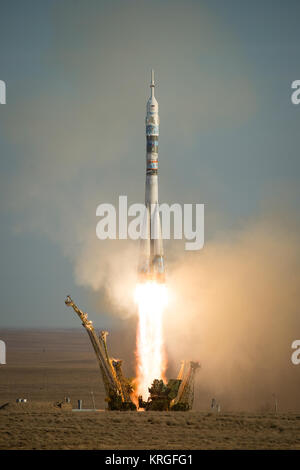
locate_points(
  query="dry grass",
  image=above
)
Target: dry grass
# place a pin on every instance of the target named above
(43, 427)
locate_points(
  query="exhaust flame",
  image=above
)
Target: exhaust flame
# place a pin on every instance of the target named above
(151, 299)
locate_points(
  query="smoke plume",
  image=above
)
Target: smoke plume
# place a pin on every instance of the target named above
(235, 309)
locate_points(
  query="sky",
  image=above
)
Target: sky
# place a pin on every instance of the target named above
(72, 136)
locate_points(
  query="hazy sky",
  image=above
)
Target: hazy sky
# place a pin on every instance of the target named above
(72, 133)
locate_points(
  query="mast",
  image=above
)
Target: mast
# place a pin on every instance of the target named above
(110, 385)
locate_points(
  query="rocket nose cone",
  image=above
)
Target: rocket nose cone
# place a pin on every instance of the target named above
(152, 105)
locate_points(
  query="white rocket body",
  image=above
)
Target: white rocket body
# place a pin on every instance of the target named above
(151, 265)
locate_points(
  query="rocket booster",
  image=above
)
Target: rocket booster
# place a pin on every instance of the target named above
(151, 266)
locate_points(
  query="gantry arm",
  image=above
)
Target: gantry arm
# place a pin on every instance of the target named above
(110, 384)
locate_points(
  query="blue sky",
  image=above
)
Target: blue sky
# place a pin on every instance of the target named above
(72, 132)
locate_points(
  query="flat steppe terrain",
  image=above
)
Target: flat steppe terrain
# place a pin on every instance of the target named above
(46, 366)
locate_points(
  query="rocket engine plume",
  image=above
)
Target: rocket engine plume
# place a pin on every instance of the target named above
(151, 299)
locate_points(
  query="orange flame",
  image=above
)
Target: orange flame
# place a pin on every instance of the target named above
(151, 298)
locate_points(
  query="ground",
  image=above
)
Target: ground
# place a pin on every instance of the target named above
(44, 367)
(44, 429)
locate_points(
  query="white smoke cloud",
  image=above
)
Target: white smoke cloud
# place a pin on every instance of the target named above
(235, 309)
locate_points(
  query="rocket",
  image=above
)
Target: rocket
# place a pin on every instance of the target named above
(151, 265)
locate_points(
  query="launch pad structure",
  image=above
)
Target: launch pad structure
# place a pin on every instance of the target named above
(176, 395)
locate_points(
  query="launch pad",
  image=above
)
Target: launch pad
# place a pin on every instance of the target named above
(176, 395)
